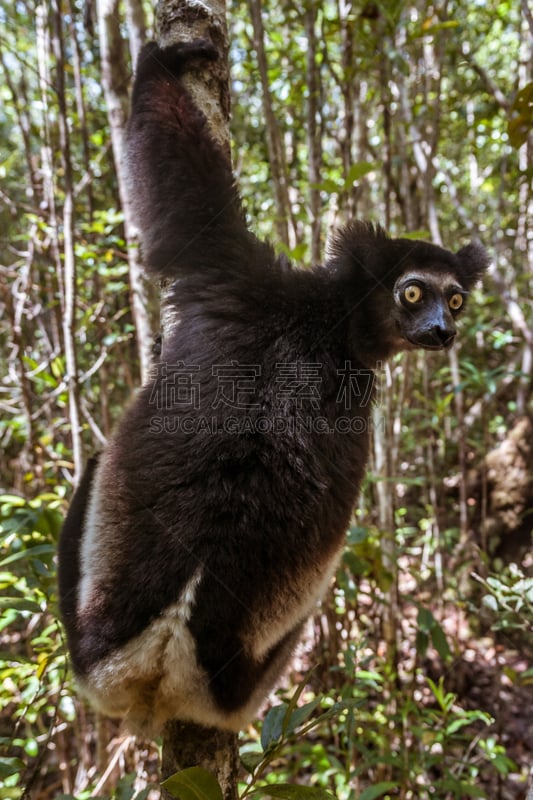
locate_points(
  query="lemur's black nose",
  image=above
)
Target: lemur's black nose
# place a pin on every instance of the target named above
(443, 335)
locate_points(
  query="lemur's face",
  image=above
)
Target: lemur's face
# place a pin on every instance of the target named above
(426, 305)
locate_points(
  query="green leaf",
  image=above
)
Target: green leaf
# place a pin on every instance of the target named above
(521, 120)
(527, 676)
(422, 641)
(272, 730)
(377, 790)
(440, 643)
(289, 791)
(14, 658)
(194, 783)
(456, 725)
(425, 620)
(299, 715)
(490, 602)
(12, 500)
(438, 691)
(358, 171)
(428, 29)
(20, 604)
(250, 760)
(369, 677)
(462, 789)
(357, 534)
(356, 565)
(39, 550)
(10, 766)
(328, 185)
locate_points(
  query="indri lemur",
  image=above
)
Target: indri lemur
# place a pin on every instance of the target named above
(201, 539)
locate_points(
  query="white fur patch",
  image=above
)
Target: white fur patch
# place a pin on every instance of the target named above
(89, 556)
(155, 677)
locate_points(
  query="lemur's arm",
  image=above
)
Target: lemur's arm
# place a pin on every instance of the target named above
(187, 205)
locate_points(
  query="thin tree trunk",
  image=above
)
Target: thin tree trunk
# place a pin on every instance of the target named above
(276, 151)
(314, 137)
(68, 263)
(383, 470)
(186, 744)
(466, 551)
(136, 27)
(80, 105)
(385, 507)
(115, 75)
(384, 79)
(525, 203)
(349, 86)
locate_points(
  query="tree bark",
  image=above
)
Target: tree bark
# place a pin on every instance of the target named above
(186, 744)
(186, 20)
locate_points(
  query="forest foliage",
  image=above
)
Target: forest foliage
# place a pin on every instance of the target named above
(414, 676)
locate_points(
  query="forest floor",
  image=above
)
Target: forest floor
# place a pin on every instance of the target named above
(491, 682)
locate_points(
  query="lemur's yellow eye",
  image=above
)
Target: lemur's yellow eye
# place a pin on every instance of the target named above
(412, 293)
(455, 302)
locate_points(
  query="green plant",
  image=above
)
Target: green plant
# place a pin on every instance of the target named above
(508, 599)
(32, 661)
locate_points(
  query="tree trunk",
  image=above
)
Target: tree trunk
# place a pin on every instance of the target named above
(184, 21)
(136, 27)
(276, 149)
(314, 135)
(186, 744)
(67, 263)
(115, 80)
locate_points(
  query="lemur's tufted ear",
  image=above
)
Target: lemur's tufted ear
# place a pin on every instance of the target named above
(473, 263)
(356, 248)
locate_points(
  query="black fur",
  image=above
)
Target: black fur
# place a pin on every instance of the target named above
(259, 514)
